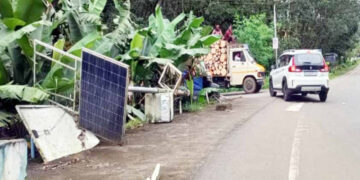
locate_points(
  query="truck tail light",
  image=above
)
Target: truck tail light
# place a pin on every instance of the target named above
(293, 67)
(325, 68)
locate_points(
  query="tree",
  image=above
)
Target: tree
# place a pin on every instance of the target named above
(258, 35)
(329, 25)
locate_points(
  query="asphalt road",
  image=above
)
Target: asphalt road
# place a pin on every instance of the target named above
(299, 140)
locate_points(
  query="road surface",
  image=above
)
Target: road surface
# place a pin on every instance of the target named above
(299, 140)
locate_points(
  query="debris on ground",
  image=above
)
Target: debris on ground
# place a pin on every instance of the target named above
(223, 106)
(61, 164)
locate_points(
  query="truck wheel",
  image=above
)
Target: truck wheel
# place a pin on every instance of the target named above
(271, 89)
(323, 96)
(258, 88)
(286, 92)
(249, 85)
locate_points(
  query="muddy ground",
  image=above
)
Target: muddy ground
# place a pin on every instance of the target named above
(181, 147)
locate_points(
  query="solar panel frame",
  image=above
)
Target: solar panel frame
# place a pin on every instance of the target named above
(100, 102)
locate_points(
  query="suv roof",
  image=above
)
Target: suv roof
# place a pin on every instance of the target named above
(301, 51)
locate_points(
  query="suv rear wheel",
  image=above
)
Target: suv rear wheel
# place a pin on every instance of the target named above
(323, 96)
(286, 92)
(249, 85)
(271, 89)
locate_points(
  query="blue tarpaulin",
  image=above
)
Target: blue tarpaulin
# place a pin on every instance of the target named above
(13, 159)
(198, 84)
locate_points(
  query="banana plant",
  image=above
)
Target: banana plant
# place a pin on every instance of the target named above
(20, 22)
(164, 39)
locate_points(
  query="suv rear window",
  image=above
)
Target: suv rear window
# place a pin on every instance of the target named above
(308, 59)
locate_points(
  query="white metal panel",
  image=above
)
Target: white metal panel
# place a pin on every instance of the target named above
(57, 133)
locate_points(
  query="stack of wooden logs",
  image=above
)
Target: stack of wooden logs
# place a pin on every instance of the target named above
(216, 60)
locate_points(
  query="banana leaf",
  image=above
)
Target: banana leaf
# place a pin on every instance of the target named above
(59, 45)
(22, 93)
(15, 35)
(88, 41)
(190, 86)
(136, 112)
(56, 80)
(28, 10)
(4, 76)
(12, 23)
(6, 10)
(7, 119)
(97, 6)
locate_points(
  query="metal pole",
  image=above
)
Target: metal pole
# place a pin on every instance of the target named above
(145, 89)
(275, 32)
(75, 86)
(34, 65)
(32, 148)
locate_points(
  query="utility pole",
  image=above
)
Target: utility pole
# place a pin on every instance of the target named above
(275, 40)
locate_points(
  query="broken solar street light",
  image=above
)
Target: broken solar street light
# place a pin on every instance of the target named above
(170, 78)
(104, 85)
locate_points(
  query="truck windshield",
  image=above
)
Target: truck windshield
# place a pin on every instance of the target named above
(248, 56)
(308, 59)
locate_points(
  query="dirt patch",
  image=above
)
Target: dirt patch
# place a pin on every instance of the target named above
(180, 147)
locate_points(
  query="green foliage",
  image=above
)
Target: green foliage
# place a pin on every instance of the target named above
(134, 123)
(20, 20)
(194, 107)
(266, 83)
(22, 93)
(323, 24)
(7, 119)
(165, 39)
(4, 77)
(343, 68)
(330, 25)
(258, 35)
(207, 91)
(190, 86)
(139, 114)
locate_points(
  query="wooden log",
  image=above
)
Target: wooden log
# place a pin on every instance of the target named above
(223, 43)
(223, 58)
(213, 50)
(223, 72)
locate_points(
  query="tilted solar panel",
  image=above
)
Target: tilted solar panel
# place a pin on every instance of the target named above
(104, 83)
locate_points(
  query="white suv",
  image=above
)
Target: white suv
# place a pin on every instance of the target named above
(300, 72)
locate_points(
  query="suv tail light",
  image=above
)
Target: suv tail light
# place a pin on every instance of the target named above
(325, 68)
(293, 67)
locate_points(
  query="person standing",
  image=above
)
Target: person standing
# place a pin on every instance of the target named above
(217, 30)
(229, 35)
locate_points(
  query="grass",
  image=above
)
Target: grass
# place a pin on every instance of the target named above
(343, 68)
(195, 106)
(134, 123)
(266, 83)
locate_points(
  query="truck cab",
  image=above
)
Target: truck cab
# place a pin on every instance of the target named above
(243, 70)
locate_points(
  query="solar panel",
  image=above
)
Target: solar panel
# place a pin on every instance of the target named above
(103, 95)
